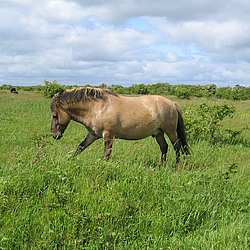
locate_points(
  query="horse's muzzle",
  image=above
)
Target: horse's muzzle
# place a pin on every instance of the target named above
(58, 136)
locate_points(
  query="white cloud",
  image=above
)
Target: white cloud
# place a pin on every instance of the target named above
(104, 43)
(60, 11)
(124, 42)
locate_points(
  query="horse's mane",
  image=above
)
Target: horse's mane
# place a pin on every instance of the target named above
(83, 94)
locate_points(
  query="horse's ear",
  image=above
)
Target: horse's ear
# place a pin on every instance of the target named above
(55, 98)
(58, 103)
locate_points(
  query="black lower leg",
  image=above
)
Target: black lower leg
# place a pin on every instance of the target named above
(87, 141)
(177, 147)
(163, 146)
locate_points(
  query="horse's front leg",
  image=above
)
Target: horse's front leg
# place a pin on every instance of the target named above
(108, 142)
(90, 138)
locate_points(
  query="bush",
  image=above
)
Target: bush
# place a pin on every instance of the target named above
(28, 88)
(140, 89)
(53, 88)
(183, 92)
(6, 87)
(224, 93)
(203, 123)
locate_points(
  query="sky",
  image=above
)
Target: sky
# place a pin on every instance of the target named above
(125, 42)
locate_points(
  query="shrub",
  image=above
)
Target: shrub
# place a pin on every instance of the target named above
(183, 92)
(140, 89)
(52, 88)
(5, 86)
(28, 88)
(203, 123)
(224, 92)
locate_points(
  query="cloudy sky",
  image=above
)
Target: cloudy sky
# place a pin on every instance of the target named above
(125, 42)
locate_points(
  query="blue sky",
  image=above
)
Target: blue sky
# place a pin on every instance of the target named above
(125, 42)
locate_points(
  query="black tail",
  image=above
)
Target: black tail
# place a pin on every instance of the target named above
(181, 131)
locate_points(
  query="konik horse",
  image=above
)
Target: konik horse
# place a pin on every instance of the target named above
(108, 115)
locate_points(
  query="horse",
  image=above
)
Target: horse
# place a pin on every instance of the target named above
(108, 115)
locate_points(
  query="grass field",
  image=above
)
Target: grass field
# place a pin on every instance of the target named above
(51, 200)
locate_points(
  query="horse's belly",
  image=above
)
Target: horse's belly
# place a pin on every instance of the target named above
(137, 132)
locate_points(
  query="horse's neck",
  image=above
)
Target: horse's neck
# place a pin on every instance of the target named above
(80, 111)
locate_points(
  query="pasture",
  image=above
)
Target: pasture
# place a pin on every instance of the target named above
(52, 200)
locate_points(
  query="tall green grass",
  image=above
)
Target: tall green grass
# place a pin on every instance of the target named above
(52, 200)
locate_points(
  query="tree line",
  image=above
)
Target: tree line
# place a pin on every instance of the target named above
(183, 91)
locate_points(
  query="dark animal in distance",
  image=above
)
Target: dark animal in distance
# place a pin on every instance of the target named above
(108, 115)
(13, 91)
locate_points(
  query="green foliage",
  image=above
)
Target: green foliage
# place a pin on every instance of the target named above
(139, 89)
(28, 88)
(224, 93)
(240, 93)
(203, 122)
(183, 92)
(209, 90)
(159, 89)
(6, 86)
(212, 115)
(119, 89)
(52, 88)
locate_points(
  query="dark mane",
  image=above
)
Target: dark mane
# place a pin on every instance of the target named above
(84, 94)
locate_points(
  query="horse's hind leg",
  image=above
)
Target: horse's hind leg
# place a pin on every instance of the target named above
(163, 145)
(176, 144)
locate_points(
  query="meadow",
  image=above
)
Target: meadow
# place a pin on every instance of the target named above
(52, 200)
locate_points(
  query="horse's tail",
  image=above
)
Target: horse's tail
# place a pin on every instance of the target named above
(181, 131)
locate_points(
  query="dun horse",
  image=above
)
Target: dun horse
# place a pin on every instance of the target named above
(108, 115)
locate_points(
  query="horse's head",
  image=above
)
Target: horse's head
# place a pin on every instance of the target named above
(59, 119)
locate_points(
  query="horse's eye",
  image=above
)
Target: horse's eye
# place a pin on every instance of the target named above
(55, 116)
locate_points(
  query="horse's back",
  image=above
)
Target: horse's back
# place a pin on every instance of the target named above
(156, 104)
(147, 100)
(139, 117)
